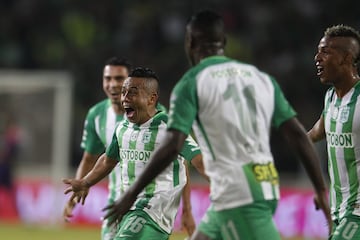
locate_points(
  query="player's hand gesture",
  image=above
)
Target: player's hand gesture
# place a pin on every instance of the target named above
(321, 202)
(80, 189)
(116, 211)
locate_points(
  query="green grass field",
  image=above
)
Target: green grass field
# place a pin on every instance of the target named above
(20, 232)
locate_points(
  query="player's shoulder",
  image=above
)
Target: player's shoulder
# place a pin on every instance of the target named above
(99, 107)
(220, 63)
(160, 117)
(357, 90)
(207, 63)
(249, 70)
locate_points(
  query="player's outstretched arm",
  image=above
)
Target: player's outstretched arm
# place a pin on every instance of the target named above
(297, 138)
(80, 187)
(87, 163)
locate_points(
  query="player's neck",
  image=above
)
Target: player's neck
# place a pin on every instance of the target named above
(208, 53)
(148, 115)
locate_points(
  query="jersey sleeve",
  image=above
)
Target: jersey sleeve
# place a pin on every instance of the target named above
(112, 151)
(282, 110)
(91, 141)
(190, 149)
(183, 105)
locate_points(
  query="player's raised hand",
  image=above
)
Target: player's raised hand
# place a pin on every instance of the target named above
(116, 211)
(321, 202)
(80, 189)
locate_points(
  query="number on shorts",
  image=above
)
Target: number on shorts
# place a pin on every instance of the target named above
(135, 224)
(349, 230)
(229, 230)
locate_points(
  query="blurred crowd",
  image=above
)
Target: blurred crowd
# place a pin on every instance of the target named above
(280, 37)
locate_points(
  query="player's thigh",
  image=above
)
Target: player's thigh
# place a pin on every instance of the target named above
(137, 225)
(348, 229)
(251, 222)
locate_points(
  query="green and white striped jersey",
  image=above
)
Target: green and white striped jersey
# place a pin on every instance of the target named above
(342, 128)
(99, 128)
(97, 135)
(133, 145)
(231, 107)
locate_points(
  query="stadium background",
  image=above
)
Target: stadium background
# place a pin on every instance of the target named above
(279, 37)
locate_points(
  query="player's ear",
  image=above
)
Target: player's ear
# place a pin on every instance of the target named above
(153, 98)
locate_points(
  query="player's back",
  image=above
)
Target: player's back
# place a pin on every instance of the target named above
(235, 110)
(236, 103)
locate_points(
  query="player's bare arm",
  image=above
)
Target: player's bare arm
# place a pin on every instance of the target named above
(187, 219)
(296, 136)
(197, 163)
(317, 132)
(87, 163)
(80, 187)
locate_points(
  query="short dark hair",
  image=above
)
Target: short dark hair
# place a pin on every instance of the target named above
(115, 61)
(152, 80)
(143, 72)
(345, 31)
(207, 26)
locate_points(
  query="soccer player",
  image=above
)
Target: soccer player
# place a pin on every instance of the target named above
(231, 106)
(135, 138)
(98, 131)
(99, 128)
(336, 61)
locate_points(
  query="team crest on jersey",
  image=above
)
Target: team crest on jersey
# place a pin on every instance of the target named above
(134, 135)
(344, 114)
(146, 137)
